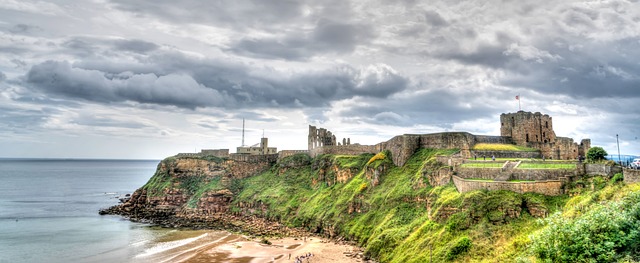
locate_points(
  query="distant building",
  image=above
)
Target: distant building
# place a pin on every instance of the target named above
(258, 149)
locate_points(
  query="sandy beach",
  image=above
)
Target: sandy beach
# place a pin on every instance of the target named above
(219, 246)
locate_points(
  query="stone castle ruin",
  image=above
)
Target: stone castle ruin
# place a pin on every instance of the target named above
(527, 129)
(535, 130)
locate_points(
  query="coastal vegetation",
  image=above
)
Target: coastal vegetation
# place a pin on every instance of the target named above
(396, 215)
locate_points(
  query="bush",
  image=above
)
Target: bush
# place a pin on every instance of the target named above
(596, 154)
(461, 246)
(602, 234)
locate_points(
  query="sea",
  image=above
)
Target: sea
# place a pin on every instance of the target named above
(49, 212)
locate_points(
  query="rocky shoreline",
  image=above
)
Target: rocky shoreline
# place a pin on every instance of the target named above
(254, 228)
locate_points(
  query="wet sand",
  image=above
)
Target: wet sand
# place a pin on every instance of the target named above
(219, 246)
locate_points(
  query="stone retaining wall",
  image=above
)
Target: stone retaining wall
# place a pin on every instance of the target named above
(631, 176)
(551, 188)
(541, 174)
(601, 169)
(480, 173)
(516, 174)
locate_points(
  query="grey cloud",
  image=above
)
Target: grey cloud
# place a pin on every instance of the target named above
(255, 116)
(485, 55)
(213, 84)
(21, 121)
(435, 19)
(601, 70)
(3, 77)
(438, 107)
(134, 45)
(105, 121)
(327, 37)
(24, 29)
(178, 90)
(237, 14)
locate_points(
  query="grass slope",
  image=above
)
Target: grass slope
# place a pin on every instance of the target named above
(502, 147)
(403, 219)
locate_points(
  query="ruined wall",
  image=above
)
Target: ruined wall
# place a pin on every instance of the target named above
(631, 176)
(403, 146)
(286, 153)
(551, 188)
(216, 152)
(353, 149)
(319, 137)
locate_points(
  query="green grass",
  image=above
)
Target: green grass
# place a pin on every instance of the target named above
(502, 147)
(482, 165)
(546, 166)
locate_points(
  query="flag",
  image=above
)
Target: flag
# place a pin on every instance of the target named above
(517, 97)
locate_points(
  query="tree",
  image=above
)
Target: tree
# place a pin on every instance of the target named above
(596, 154)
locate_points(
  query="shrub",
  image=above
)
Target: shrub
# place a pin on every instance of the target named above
(617, 178)
(378, 156)
(462, 245)
(602, 234)
(596, 154)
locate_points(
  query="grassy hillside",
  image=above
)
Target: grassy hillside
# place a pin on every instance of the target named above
(397, 216)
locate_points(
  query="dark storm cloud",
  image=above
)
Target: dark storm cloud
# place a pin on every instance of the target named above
(595, 70)
(189, 83)
(440, 107)
(327, 36)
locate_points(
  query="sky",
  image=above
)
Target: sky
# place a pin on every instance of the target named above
(148, 79)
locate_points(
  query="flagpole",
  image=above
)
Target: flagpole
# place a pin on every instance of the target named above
(519, 108)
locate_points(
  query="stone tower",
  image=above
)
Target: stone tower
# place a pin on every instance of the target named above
(525, 127)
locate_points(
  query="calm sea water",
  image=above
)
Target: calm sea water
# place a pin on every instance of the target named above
(49, 211)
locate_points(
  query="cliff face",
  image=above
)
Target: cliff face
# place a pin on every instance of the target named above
(197, 192)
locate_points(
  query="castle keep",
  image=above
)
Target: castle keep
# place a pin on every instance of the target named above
(535, 130)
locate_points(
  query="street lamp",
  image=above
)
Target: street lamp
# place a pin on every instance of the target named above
(618, 143)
